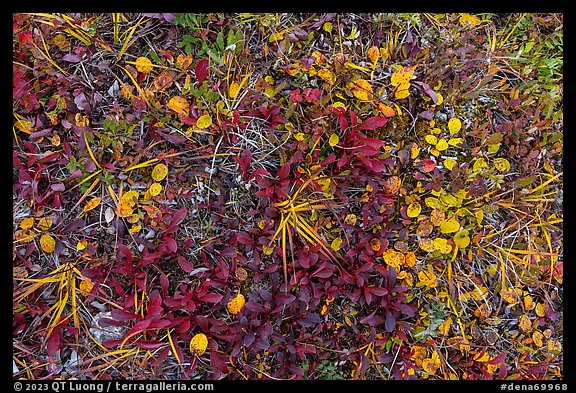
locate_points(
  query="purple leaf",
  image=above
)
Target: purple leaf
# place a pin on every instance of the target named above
(372, 320)
(390, 323)
(72, 58)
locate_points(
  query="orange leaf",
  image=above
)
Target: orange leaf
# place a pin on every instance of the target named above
(236, 304)
(27, 223)
(92, 203)
(179, 105)
(524, 323)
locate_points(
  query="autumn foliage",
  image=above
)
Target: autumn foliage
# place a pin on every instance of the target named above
(287, 196)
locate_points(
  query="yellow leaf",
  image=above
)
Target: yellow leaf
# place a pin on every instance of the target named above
(479, 214)
(361, 89)
(159, 172)
(468, 19)
(129, 198)
(135, 229)
(334, 139)
(24, 125)
(414, 151)
(236, 304)
(25, 236)
(462, 238)
(267, 250)
(502, 165)
(391, 257)
(455, 142)
(374, 54)
(179, 105)
(479, 164)
(92, 203)
(336, 243)
(538, 338)
(413, 210)
(401, 91)
(450, 163)
(86, 286)
(442, 145)
(133, 219)
(540, 310)
(431, 139)
(509, 295)
(454, 125)
(528, 303)
(45, 223)
(524, 323)
(350, 219)
(449, 226)
(375, 244)
(441, 245)
(27, 223)
(143, 65)
(426, 245)
(440, 99)
(276, 36)
(198, 344)
(402, 75)
(436, 217)
(233, 90)
(47, 243)
(445, 326)
(204, 121)
(554, 346)
(155, 189)
(327, 75)
(81, 245)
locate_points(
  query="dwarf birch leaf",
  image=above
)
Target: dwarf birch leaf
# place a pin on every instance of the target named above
(203, 122)
(159, 172)
(336, 243)
(143, 65)
(524, 323)
(236, 304)
(45, 223)
(462, 238)
(449, 226)
(413, 210)
(47, 243)
(155, 189)
(27, 223)
(431, 139)
(334, 139)
(502, 165)
(179, 105)
(198, 344)
(454, 125)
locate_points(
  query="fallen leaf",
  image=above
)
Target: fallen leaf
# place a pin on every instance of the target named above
(179, 105)
(47, 243)
(413, 210)
(361, 89)
(159, 172)
(92, 204)
(198, 344)
(336, 244)
(334, 139)
(454, 125)
(27, 223)
(144, 65)
(204, 122)
(236, 304)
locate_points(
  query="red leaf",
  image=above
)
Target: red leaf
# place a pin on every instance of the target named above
(170, 244)
(284, 171)
(211, 297)
(373, 123)
(149, 344)
(201, 70)
(186, 265)
(426, 165)
(178, 217)
(53, 344)
(139, 327)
